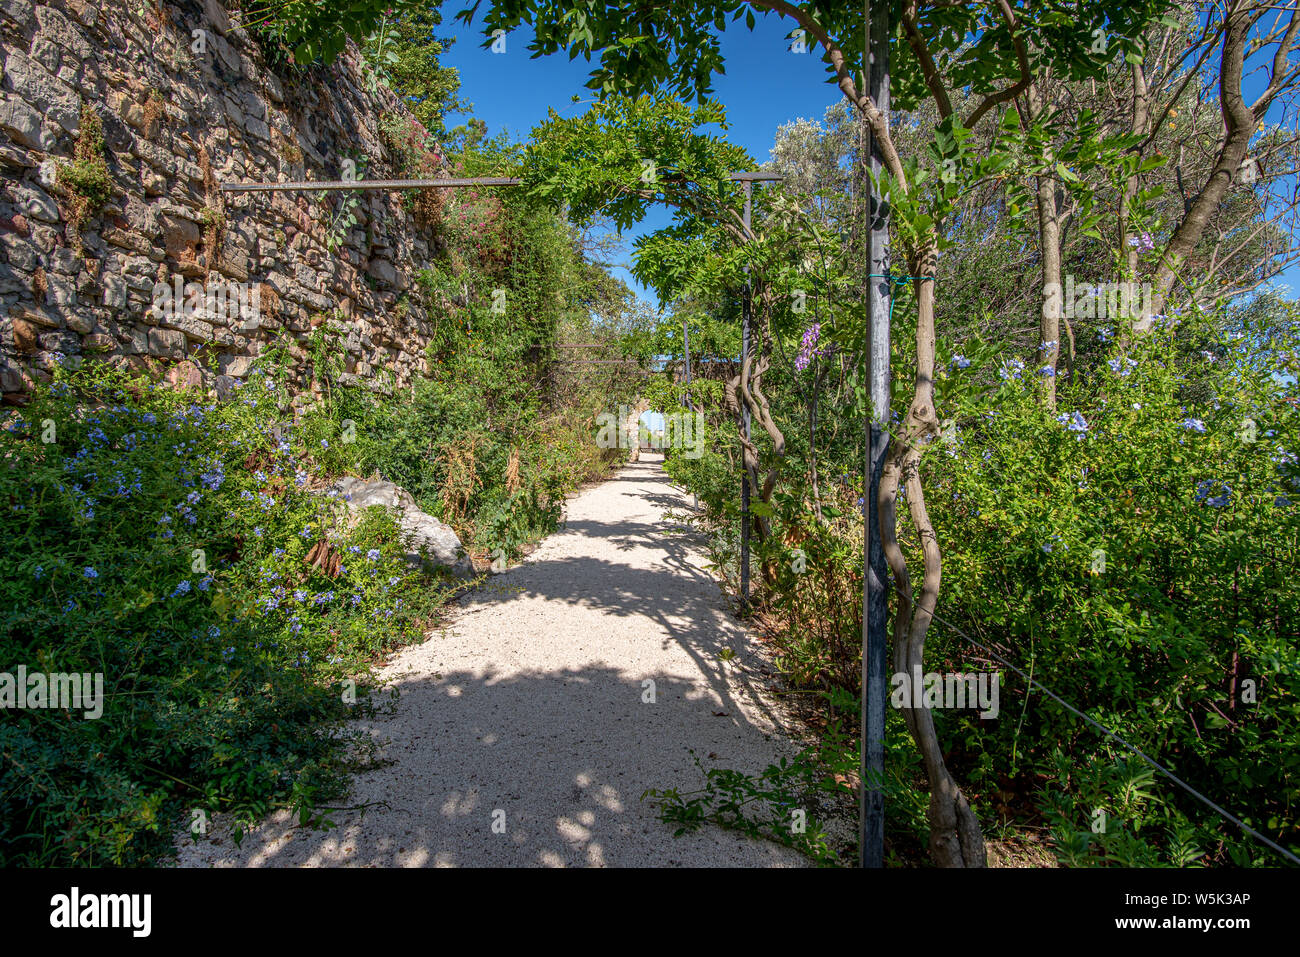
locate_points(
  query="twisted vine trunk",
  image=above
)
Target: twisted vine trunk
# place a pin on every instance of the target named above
(955, 836)
(746, 391)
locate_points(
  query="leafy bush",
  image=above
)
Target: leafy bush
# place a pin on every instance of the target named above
(313, 31)
(416, 156)
(176, 547)
(1133, 550)
(188, 551)
(1136, 550)
(816, 595)
(476, 441)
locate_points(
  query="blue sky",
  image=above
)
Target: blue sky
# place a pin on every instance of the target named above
(765, 85)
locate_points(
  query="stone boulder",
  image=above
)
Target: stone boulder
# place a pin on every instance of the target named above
(427, 539)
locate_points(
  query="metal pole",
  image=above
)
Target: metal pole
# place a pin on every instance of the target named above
(875, 599)
(686, 348)
(324, 184)
(308, 185)
(744, 417)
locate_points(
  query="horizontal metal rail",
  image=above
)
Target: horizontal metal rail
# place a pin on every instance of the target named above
(328, 184)
(325, 184)
(576, 345)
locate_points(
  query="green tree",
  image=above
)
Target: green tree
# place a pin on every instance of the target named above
(675, 44)
(406, 50)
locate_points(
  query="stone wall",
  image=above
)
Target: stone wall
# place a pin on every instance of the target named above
(182, 112)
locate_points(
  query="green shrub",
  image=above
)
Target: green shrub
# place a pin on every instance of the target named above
(1137, 550)
(1134, 550)
(175, 547)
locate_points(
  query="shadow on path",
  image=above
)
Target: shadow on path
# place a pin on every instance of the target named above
(528, 727)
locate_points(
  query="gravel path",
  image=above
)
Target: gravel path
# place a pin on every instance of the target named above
(527, 708)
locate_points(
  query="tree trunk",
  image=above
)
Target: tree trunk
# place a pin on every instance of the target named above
(1049, 244)
(1240, 122)
(747, 389)
(1141, 121)
(955, 836)
(1049, 325)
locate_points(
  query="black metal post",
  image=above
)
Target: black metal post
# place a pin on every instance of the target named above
(690, 405)
(875, 598)
(686, 348)
(744, 418)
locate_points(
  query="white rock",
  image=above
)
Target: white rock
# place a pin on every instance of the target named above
(427, 538)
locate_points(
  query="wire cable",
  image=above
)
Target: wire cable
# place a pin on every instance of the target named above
(1111, 734)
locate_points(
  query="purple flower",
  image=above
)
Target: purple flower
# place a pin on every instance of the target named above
(1074, 422)
(1011, 369)
(1205, 486)
(808, 346)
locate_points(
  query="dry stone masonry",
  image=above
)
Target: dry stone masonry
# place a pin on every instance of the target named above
(187, 101)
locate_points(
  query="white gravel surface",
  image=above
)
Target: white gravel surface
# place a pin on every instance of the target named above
(527, 709)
